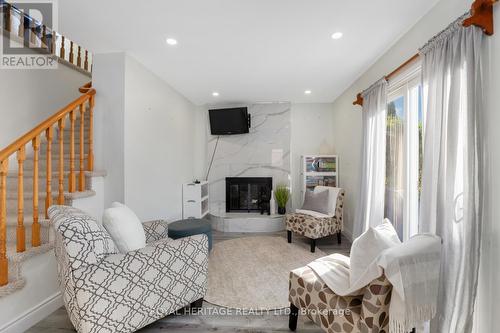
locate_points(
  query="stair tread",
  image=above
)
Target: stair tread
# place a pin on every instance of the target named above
(30, 251)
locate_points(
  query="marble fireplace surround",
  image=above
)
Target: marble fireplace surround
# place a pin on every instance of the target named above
(263, 152)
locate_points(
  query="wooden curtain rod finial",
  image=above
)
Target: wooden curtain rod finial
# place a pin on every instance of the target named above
(482, 16)
(359, 100)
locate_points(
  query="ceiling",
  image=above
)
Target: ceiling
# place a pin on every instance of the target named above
(247, 50)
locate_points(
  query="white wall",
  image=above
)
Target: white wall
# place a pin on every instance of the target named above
(159, 144)
(347, 135)
(312, 133)
(109, 82)
(94, 205)
(144, 137)
(39, 298)
(30, 96)
(200, 151)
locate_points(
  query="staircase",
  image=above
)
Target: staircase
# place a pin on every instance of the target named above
(51, 164)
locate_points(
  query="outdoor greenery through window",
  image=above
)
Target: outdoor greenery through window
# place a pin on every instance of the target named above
(404, 154)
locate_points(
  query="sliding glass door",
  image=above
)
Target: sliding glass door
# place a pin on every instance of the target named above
(404, 155)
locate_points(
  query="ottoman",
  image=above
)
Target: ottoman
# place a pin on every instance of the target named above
(189, 227)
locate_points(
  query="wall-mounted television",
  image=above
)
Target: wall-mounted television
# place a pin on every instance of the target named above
(229, 121)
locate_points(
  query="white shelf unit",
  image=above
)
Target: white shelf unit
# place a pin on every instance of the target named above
(319, 170)
(195, 200)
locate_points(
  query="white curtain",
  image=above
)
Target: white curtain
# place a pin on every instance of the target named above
(451, 201)
(370, 209)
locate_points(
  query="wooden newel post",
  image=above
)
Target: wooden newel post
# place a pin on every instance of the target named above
(62, 52)
(81, 177)
(32, 34)
(8, 24)
(49, 133)
(71, 53)
(60, 198)
(21, 233)
(79, 57)
(90, 160)
(20, 30)
(53, 37)
(72, 179)
(4, 266)
(35, 227)
(44, 37)
(86, 61)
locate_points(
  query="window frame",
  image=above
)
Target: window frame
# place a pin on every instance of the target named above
(408, 84)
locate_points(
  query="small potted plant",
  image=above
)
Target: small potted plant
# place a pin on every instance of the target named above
(282, 194)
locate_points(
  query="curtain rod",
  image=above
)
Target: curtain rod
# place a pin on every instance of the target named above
(481, 16)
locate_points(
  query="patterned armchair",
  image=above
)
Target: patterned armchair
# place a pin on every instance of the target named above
(367, 312)
(105, 291)
(319, 225)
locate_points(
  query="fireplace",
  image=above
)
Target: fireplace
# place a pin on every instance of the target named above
(248, 194)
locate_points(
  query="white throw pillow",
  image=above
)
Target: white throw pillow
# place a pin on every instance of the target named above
(367, 247)
(124, 227)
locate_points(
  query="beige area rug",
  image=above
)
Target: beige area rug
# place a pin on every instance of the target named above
(252, 273)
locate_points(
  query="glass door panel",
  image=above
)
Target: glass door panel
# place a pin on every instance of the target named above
(395, 164)
(404, 157)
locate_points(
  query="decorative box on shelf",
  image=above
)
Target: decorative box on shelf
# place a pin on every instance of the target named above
(195, 200)
(319, 170)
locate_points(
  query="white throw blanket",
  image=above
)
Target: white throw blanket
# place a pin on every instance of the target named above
(413, 270)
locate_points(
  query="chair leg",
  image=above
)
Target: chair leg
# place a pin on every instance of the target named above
(339, 237)
(289, 236)
(313, 245)
(197, 305)
(294, 315)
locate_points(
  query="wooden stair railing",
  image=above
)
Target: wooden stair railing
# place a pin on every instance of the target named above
(33, 33)
(18, 150)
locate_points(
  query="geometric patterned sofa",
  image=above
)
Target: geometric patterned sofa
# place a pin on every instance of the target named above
(367, 312)
(314, 227)
(105, 291)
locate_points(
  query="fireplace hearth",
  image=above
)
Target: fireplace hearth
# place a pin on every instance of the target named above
(248, 194)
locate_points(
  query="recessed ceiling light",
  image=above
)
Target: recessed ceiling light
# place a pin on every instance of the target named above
(215, 94)
(171, 41)
(308, 92)
(337, 35)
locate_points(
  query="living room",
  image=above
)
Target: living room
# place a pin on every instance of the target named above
(249, 166)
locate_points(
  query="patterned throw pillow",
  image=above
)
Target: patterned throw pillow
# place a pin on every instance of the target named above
(317, 202)
(86, 241)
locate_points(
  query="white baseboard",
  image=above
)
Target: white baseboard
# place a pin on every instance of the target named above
(33, 315)
(347, 234)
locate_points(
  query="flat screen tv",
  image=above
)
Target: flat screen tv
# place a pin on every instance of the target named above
(229, 121)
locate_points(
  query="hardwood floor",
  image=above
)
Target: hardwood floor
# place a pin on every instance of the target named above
(214, 318)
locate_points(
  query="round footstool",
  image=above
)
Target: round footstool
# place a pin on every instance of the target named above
(189, 227)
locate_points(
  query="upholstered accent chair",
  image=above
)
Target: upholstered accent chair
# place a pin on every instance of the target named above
(316, 225)
(367, 312)
(107, 291)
